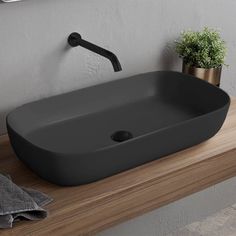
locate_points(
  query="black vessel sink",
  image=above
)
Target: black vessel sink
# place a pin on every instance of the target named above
(92, 133)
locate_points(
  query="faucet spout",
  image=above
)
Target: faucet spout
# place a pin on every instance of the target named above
(75, 40)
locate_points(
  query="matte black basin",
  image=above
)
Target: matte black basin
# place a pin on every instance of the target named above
(92, 133)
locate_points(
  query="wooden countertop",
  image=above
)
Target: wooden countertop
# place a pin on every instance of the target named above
(85, 210)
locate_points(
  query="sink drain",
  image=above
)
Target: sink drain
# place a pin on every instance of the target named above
(121, 136)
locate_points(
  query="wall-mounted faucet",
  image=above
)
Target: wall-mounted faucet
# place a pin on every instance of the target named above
(75, 40)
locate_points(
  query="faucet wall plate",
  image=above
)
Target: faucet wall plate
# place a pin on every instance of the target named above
(89, 134)
(74, 39)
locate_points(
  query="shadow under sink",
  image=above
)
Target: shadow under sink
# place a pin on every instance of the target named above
(95, 132)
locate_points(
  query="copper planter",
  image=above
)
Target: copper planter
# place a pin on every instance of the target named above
(211, 75)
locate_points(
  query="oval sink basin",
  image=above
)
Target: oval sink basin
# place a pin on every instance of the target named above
(89, 134)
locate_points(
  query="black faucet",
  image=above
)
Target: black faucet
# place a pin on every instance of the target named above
(75, 40)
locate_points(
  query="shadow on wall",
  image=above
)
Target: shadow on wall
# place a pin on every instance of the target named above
(168, 59)
(3, 123)
(50, 68)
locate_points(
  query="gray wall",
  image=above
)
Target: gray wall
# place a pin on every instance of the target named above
(35, 62)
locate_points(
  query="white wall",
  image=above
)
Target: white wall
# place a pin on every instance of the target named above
(35, 62)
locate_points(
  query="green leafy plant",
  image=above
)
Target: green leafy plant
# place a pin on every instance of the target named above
(204, 49)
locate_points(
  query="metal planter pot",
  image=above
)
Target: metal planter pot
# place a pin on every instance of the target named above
(211, 75)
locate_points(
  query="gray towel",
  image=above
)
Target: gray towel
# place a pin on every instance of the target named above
(17, 203)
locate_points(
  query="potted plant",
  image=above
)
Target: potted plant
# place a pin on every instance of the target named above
(203, 53)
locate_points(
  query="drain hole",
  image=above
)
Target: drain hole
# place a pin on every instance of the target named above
(121, 136)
